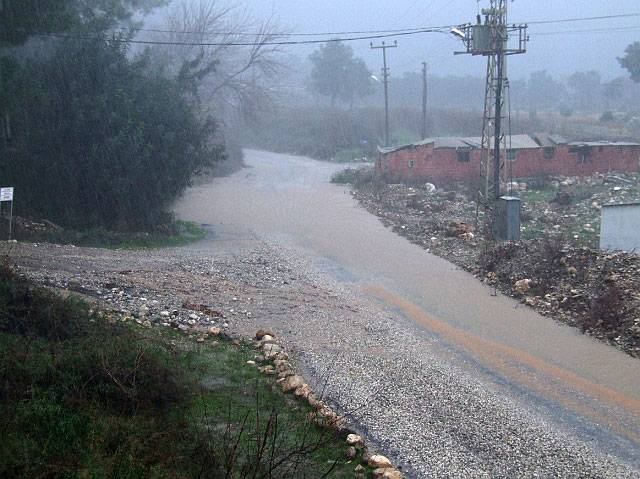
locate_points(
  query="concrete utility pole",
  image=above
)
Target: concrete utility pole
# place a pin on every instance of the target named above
(424, 100)
(385, 78)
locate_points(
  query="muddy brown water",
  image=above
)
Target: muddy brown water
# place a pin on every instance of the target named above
(577, 382)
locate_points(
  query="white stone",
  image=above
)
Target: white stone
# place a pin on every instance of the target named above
(523, 285)
(355, 440)
(379, 461)
(291, 383)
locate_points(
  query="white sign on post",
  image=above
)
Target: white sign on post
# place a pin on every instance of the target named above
(6, 194)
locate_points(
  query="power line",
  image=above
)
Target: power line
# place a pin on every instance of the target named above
(592, 30)
(372, 32)
(287, 34)
(365, 34)
(584, 19)
(240, 44)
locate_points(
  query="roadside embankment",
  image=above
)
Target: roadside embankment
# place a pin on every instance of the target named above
(86, 389)
(554, 269)
(429, 416)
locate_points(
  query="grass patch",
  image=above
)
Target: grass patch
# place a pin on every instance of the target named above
(179, 233)
(345, 177)
(85, 396)
(349, 156)
(404, 137)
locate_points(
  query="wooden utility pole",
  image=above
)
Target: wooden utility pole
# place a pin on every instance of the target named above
(424, 100)
(385, 79)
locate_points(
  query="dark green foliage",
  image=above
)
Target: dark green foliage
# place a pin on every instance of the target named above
(179, 233)
(317, 132)
(607, 116)
(37, 313)
(631, 61)
(324, 132)
(98, 140)
(338, 75)
(20, 19)
(82, 396)
(344, 177)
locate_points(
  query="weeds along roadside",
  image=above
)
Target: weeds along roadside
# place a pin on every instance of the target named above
(171, 234)
(82, 393)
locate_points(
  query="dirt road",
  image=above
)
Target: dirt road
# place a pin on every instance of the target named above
(577, 384)
(455, 382)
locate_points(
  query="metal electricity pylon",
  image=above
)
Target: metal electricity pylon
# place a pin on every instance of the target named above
(491, 38)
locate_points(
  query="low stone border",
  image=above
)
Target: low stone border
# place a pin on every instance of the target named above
(273, 360)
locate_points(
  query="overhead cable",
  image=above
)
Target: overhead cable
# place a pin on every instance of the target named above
(239, 44)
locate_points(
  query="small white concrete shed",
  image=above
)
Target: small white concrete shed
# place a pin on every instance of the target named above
(620, 227)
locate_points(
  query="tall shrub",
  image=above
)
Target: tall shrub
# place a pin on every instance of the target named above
(100, 140)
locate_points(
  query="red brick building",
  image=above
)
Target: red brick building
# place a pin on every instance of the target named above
(444, 160)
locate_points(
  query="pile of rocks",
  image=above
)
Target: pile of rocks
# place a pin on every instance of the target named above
(443, 222)
(599, 292)
(131, 306)
(25, 228)
(273, 360)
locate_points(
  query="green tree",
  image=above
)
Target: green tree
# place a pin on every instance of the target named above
(631, 61)
(586, 89)
(337, 74)
(614, 90)
(101, 142)
(20, 19)
(544, 91)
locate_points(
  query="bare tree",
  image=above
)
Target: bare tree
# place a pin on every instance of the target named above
(226, 78)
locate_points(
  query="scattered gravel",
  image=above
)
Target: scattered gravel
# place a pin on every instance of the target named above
(431, 418)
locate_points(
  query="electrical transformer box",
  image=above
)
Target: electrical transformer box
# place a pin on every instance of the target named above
(506, 219)
(482, 41)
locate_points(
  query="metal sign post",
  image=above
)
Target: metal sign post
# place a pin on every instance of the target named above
(6, 194)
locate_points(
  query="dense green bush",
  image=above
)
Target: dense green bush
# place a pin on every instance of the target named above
(80, 397)
(98, 139)
(83, 395)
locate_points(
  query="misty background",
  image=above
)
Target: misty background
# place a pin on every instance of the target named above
(559, 53)
(569, 82)
(139, 97)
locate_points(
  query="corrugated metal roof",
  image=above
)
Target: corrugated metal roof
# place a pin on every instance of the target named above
(548, 140)
(519, 142)
(516, 142)
(602, 143)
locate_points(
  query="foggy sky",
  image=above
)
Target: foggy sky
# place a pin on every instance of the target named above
(559, 54)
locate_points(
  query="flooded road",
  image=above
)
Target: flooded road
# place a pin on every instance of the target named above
(585, 388)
